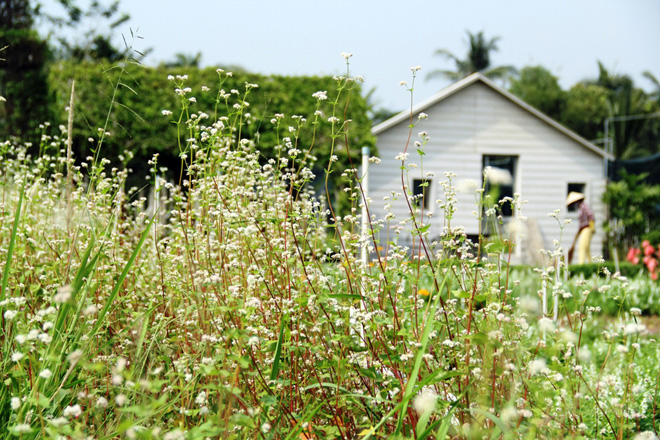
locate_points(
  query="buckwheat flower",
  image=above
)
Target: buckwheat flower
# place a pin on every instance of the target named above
(201, 398)
(10, 314)
(401, 156)
(3, 99)
(121, 364)
(321, 95)
(425, 401)
(265, 428)
(346, 55)
(58, 422)
(74, 356)
(403, 83)
(646, 435)
(121, 399)
(63, 295)
(633, 328)
(170, 77)
(72, 411)
(415, 69)
(16, 356)
(333, 119)
(205, 89)
(102, 402)
(546, 324)
(90, 310)
(166, 113)
(635, 311)
(422, 116)
(536, 366)
(15, 403)
(46, 374)
(21, 428)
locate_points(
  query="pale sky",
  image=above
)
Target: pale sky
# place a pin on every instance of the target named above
(387, 37)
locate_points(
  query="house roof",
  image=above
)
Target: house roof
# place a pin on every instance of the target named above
(468, 81)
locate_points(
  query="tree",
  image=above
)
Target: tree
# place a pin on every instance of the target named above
(585, 109)
(627, 106)
(540, 89)
(23, 76)
(477, 60)
(95, 45)
(185, 60)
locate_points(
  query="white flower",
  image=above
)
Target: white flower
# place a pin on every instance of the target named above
(121, 399)
(177, 434)
(201, 398)
(16, 356)
(102, 402)
(546, 324)
(72, 411)
(320, 95)
(632, 328)
(536, 366)
(167, 113)
(15, 403)
(646, 435)
(346, 55)
(21, 428)
(498, 176)
(63, 295)
(46, 374)
(60, 421)
(425, 401)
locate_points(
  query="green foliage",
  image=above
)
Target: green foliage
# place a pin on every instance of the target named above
(539, 88)
(585, 110)
(23, 81)
(589, 270)
(137, 123)
(634, 210)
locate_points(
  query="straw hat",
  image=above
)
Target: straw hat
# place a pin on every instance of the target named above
(573, 197)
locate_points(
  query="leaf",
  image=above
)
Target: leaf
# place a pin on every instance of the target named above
(278, 351)
(369, 431)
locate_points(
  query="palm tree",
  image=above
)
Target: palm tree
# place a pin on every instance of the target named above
(185, 60)
(478, 60)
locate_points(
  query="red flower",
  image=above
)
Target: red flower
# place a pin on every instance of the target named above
(633, 255)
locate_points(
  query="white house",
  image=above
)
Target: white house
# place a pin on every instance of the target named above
(473, 124)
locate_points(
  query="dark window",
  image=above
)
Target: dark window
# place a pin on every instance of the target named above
(421, 193)
(505, 187)
(577, 187)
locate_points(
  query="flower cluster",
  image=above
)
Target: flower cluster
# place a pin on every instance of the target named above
(649, 257)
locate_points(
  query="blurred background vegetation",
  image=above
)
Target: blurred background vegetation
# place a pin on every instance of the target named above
(36, 72)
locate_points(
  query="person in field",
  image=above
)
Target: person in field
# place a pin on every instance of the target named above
(586, 228)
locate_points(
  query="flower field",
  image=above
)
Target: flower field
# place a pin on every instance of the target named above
(236, 305)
